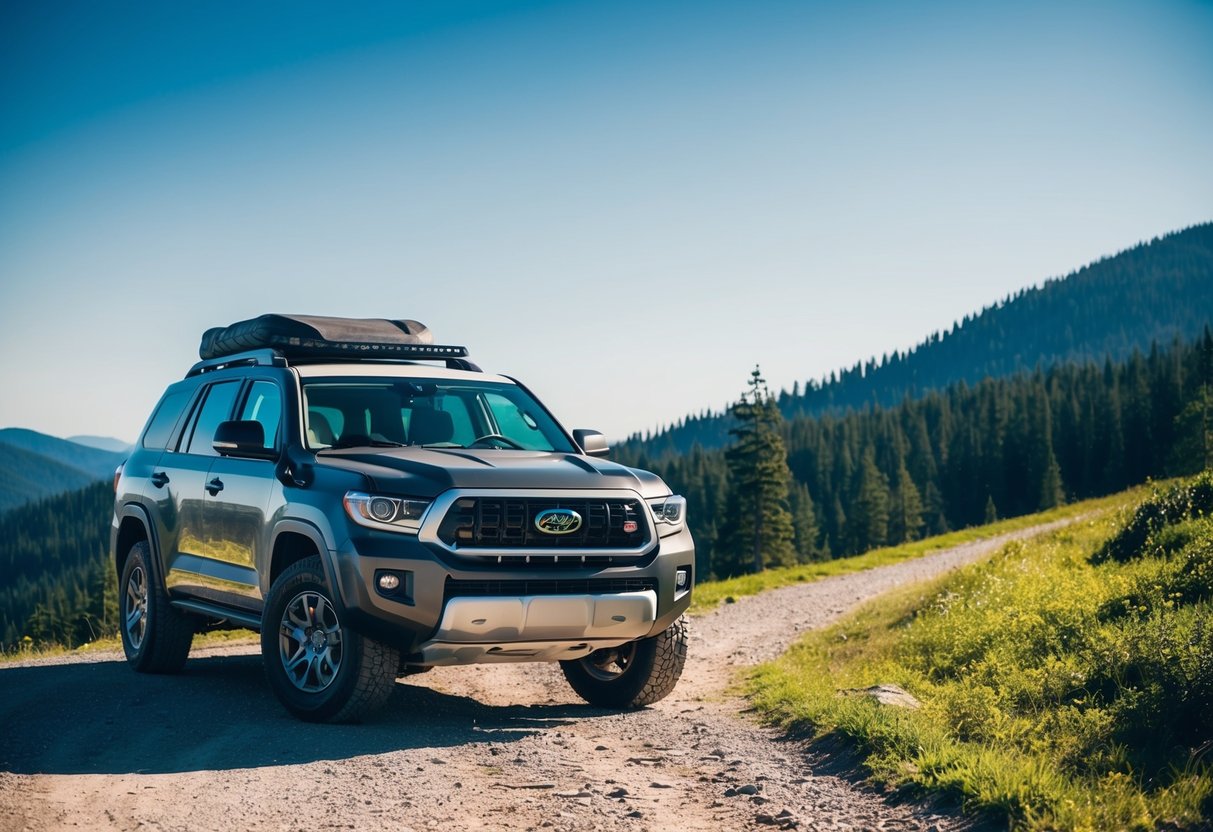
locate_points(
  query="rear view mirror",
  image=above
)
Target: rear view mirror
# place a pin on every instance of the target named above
(592, 442)
(245, 439)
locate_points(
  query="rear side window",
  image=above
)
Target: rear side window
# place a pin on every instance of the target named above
(217, 408)
(160, 427)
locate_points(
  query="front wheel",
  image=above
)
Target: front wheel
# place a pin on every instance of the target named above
(321, 670)
(632, 675)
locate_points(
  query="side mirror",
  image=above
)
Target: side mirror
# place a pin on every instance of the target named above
(592, 442)
(242, 439)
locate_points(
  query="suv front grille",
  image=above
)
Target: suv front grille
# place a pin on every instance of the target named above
(509, 523)
(571, 586)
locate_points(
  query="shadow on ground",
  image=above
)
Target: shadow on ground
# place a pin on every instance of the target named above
(219, 713)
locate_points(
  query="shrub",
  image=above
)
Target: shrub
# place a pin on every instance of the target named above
(1190, 498)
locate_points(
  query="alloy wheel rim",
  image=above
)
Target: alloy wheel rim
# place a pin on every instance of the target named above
(310, 642)
(134, 607)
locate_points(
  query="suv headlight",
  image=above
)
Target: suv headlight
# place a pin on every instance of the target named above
(391, 514)
(669, 514)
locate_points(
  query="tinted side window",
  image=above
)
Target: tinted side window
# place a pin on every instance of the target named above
(264, 405)
(217, 408)
(160, 427)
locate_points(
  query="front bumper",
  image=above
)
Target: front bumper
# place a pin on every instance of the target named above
(430, 625)
(537, 627)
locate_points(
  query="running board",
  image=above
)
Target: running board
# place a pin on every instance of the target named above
(244, 619)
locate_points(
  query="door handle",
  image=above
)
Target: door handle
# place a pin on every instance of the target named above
(160, 479)
(214, 486)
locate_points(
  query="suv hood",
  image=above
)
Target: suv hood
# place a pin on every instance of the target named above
(427, 472)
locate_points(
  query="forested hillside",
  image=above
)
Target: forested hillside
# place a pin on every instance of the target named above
(1152, 293)
(27, 476)
(967, 454)
(58, 586)
(34, 465)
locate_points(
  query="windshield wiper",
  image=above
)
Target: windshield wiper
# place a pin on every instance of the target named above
(363, 442)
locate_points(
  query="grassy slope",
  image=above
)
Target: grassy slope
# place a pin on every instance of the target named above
(1065, 683)
(709, 594)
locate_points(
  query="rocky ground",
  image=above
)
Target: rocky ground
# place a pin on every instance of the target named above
(87, 744)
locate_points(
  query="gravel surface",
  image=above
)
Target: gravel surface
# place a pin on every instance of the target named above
(87, 744)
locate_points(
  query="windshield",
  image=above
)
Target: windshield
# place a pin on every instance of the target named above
(389, 412)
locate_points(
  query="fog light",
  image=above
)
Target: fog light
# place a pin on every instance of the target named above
(388, 581)
(682, 578)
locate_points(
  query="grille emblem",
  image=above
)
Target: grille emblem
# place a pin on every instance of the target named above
(630, 526)
(558, 521)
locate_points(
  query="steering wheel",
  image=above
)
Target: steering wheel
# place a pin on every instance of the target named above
(497, 437)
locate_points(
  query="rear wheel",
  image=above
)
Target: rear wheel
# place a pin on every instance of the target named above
(320, 669)
(632, 675)
(155, 637)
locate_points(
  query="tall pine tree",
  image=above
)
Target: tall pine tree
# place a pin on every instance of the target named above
(758, 529)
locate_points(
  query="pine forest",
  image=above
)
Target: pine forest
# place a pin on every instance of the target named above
(962, 456)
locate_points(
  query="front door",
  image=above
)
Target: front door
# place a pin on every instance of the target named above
(238, 492)
(186, 472)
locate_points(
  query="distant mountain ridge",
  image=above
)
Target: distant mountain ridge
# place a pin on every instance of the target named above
(34, 466)
(104, 443)
(1153, 293)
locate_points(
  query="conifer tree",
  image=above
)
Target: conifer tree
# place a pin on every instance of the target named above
(758, 528)
(905, 514)
(934, 516)
(804, 523)
(869, 520)
(838, 523)
(1193, 449)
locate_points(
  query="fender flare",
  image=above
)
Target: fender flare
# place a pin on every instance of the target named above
(143, 517)
(313, 533)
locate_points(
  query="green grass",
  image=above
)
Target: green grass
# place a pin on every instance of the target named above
(711, 593)
(1066, 682)
(211, 639)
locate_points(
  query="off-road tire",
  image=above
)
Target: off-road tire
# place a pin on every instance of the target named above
(155, 637)
(366, 672)
(651, 673)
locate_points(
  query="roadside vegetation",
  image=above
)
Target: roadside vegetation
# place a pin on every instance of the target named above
(43, 650)
(1065, 683)
(711, 593)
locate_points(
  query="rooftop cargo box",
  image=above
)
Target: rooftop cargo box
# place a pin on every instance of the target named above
(315, 335)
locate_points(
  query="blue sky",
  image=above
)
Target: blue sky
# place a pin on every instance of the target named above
(627, 205)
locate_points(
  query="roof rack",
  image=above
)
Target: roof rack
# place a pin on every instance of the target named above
(455, 358)
(259, 358)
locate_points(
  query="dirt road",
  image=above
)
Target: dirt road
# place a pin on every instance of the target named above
(87, 744)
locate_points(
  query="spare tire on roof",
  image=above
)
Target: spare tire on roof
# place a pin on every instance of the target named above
(303, 334)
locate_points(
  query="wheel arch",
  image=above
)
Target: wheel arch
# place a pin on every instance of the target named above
(134, 525)
(293, 541)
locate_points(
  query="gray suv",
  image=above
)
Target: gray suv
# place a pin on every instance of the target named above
(375, 505)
